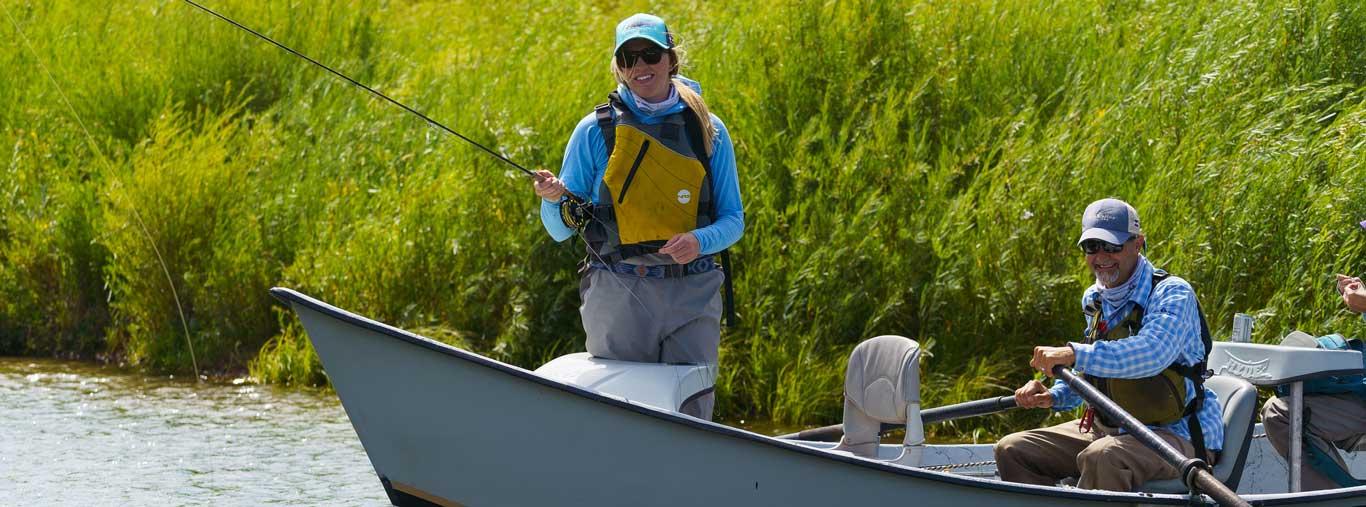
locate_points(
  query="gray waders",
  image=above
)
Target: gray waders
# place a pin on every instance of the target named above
(655, 320)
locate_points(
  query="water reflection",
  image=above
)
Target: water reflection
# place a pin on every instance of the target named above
(79, 434)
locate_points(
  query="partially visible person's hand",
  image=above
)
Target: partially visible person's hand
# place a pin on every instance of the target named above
(1344, 280)
(682, 247)
(1045, 358)
(1354, 295)
(1033, 395)
(548, 186)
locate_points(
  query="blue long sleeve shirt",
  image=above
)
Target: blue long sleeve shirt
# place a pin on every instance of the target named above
(1170, 332)
(585, 161)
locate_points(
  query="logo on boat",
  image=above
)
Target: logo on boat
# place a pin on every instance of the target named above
(1242, 368)
(684, 196)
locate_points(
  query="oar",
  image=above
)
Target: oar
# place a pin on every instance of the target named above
(1194, 471)
(938, 414)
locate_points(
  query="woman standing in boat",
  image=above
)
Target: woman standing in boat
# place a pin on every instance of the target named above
(656, 172)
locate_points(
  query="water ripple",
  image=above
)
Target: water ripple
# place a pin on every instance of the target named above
(79, 434)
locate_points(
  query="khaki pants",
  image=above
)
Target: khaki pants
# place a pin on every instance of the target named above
(1339, 420)
(1116, 463)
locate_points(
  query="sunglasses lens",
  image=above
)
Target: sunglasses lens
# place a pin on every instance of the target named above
(1092, 246)
(627, 59)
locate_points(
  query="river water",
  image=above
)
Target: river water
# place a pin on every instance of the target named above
(74, 433)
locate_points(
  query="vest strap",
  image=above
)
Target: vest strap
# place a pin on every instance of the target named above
(693, 124)
(728, 301)
(707, 207)
(608, 125)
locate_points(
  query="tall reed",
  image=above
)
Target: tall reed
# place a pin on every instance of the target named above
(912, 167)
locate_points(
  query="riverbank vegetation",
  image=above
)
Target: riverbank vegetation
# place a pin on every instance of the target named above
(911, 167)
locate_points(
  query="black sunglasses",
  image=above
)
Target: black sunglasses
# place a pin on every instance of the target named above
(627, 59)
(1092, 246)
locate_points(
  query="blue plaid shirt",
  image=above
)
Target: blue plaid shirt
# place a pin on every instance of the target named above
(1170, 332)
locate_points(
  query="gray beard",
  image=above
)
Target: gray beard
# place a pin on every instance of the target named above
(1108, 280)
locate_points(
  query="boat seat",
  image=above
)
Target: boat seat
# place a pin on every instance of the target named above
(660, 385)
(1239, 399)
(882, 385)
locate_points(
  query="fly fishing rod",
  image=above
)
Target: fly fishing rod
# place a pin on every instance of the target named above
(575, 211)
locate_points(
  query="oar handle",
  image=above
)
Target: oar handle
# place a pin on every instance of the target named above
(967, 409)
(1194, 471)
(938, 414)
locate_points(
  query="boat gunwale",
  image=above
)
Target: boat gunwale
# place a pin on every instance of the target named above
(291, 296)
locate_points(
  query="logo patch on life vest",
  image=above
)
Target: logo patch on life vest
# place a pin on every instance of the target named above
(684, 196)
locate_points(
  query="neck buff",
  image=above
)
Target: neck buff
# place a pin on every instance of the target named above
(653, 108)
(1116, 296)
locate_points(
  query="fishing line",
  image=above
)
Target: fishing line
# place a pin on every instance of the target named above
(184, 325)
(419, 114)
(576, 212)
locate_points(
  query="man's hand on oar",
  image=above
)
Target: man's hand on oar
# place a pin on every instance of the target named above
(1045, 358)
(1033, 395)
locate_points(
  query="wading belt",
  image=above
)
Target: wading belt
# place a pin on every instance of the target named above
(704, 264)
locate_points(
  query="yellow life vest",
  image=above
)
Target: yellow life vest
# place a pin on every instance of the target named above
(656, 184)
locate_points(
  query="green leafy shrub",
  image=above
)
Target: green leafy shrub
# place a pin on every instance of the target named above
(912, 167)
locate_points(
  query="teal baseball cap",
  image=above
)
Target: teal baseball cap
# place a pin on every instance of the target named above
(644, 26)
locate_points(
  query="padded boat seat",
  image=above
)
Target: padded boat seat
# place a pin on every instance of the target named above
(882, 385)
(1239, 399)
(666, 386)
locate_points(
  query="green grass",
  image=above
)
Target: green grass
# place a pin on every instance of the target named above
(908, 167)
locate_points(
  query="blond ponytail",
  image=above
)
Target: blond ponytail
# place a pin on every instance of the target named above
(698, 107)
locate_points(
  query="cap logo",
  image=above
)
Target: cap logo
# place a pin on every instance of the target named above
(684, 196)
(1104, 215)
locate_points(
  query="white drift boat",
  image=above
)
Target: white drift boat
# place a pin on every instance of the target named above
(444, 426)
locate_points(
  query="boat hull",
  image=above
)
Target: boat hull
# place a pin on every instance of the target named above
(448, 427)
